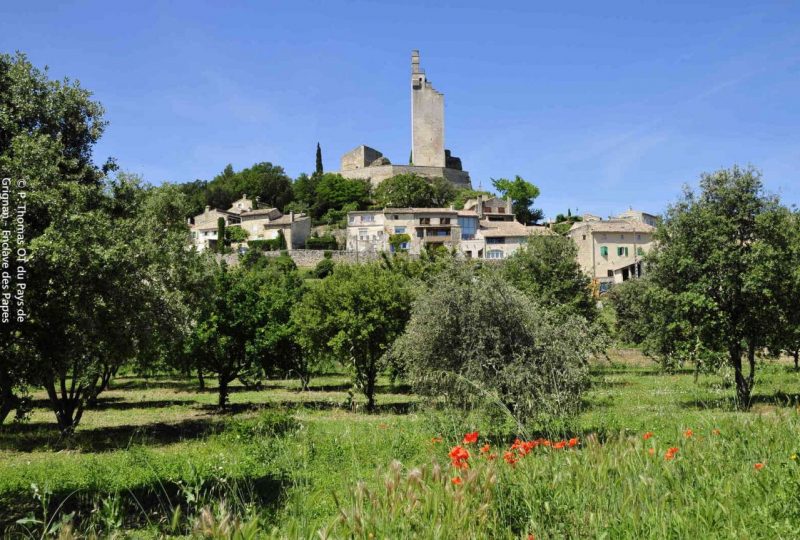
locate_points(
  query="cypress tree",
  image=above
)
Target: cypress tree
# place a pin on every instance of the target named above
(319, 160)
(221, 235)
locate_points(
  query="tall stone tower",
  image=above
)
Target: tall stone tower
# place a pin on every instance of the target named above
(427, 119)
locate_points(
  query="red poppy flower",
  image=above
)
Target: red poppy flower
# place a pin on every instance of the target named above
(758, 466)
(559, 445)
(457, 480)
(509, 458)
(531, 537)
(688, 433)
(573, 442)
(491, 457)
(647, 435)
(652, 451)
(517, 444)
(485, 448)
(471, 438)
(671, 453)
(459, 456)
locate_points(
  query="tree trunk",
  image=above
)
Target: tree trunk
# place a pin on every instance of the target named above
(67, 403)
(200, 379)
(796, 367)
(369, 387)
(8, 401)
(223, 392)
(742, 386)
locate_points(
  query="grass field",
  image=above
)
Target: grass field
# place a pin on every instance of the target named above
(154, 453)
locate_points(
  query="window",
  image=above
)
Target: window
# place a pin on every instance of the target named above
(622, 237)
(444, 221)
(425, 221)
(622, 251)
(639, 251)
(496, 240)
(352, 219)
(469, 225)
(395, 217)
(584, 237)
(638, 236)
(399, 230)
(610, 273)
(363, 234)
(494, 254)
(501, 209)
(604, 251)
(368, 218)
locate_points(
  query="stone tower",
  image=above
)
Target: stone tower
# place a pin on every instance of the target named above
(427, 119)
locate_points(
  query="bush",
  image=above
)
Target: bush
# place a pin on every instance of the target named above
(327, 242)
(324, 268)
(472, 337)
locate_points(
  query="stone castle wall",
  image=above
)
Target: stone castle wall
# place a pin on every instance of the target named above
(380, 173)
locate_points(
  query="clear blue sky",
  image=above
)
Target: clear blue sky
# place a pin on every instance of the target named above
(603, 105)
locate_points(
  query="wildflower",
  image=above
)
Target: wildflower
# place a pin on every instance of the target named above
(559, 445)
(459, 456)
(509, 458)
(517, 444)
(651, 451)
(688, 433)
(758, 466)
(793, 457)
(573, 442)
(671, 453)
(471, 438)
(436, 440)
(485, 448)
(456, 480)
(491, 457)
(531, 537)
(647, 435)
(715, 431)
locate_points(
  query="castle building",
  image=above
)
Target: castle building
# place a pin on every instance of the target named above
(429, 157)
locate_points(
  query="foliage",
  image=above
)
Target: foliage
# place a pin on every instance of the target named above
(522, 195)
(318, 168)
(263, 181)
(324, 268)
(473, 338)
(236, 234)
(334, 192)
(634, 308)
(397, 241)
(788, 338)
(355, 314)
(414, 191)
(326, 241)
(221, 235)
(546, 269)
(242, 329)
(720, 268)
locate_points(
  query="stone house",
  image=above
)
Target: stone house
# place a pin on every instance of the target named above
(611, 251)
(260, 224)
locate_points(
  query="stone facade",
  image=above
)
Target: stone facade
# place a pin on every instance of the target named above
(470, 234)
(360, 157)
(378, 174)
(611, 251)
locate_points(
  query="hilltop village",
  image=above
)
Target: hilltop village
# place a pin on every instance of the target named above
(482, 227)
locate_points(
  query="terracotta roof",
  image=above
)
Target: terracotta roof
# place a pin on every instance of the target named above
(613, 225)
(418, 211)
(491, 229)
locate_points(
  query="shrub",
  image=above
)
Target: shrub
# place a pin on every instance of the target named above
(324, 268)
(472, 337)
(326, 242)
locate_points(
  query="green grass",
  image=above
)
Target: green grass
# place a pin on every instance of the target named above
(154, 442)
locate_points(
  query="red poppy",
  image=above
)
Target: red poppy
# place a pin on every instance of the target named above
(688, 433)
(456, 480)
(652, 451)
(471, 438)
(485, 448)
(573, 442)
(459, 456)
(758, 466)
(647, 435)
(491, 457)
(559, 445)
(517, 444)
(531, 537)
(671, 453)
(509, 458)
(715, 431)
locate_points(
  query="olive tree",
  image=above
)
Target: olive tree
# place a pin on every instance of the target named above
(472, 334)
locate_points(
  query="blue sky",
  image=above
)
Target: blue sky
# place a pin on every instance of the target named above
(602, 105)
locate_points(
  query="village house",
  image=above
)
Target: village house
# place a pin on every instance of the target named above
(484, 229)
(611, 251)
(260, 224)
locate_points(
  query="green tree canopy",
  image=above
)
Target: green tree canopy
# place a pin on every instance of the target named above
(355, 314)
(721, 264)
(333, 192)
(522, 194)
